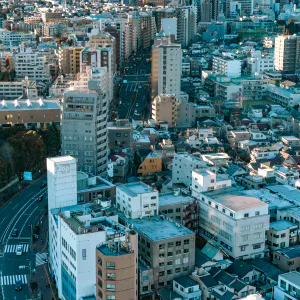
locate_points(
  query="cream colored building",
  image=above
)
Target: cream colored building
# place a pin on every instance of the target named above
(164, 109)
(69, 59)
(287, 53)
(166, 68)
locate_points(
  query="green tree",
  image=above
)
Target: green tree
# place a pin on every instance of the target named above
(4, 176)
(29, 151)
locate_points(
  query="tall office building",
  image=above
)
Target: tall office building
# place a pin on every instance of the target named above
(166, 68)
(84, 120)
(287, 53)
(206, 11)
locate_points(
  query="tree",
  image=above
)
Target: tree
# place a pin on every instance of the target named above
(29, 151)
(4, 176)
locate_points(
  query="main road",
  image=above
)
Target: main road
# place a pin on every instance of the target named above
(19, 213)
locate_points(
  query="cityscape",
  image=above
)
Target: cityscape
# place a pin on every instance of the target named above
(149, 150)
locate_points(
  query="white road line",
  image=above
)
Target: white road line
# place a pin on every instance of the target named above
(1, 280)
(3, 220)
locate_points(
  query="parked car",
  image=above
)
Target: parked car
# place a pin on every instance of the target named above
(40, 198)
(15, 233)
(19, 250)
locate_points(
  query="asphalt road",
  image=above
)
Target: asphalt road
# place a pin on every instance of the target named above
(19, 213)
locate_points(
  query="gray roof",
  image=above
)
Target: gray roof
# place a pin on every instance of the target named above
(281, 225)
(167, 294)
(135, 188)
(293, 277)
(208, 280)
(186, 281)
(290, 252)
(158, 229)
(171, 199)
(209, 250)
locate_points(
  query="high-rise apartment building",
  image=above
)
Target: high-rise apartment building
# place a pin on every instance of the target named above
(287, 53)
(117, 268)
(69, 59)
(166, 68)
(97, 57)
(164, 109)
(84, 120)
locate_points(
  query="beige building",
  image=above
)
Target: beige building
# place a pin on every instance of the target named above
(288, 259)
(287, 53)
(116, 276)
(164, 109)
(165, 68)
(30, 113)
(69, 59)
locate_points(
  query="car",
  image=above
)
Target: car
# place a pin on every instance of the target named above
(15, 233)
(18, 285)
(19, 250)
(43, 185)
(40, 198)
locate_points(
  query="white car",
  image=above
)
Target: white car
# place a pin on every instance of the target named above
(19, 250)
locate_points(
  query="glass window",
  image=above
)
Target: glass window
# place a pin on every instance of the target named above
(110, 265)
(111, 287)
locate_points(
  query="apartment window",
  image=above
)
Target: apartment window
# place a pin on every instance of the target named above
(223, 210)
(178, 243)
(185, 250)
(161, 255)
(212, 181)
(177, 261)
(243, 248)
(169, 272)
(290, 263)
(111, 276)
(256, 246)
(185, 260)
(170, 253)
(177, 210)
(111, 287)
(153, 197)
(257, 213)
(283, 284)
(177, 270)
(231, 215)
(186, 242)
(161, 264)
(283, 235)
(169, 263)
(246, 215)
(110, 265)
(110, 297)
(161, 273)
(162, 246)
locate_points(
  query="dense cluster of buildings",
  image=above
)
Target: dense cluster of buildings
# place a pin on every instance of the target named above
(180, 143)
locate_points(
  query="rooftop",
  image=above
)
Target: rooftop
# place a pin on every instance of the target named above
(135, 188)
(290, 252)
(171, 199)
(293, 277)
(158, 228)
(186, 281)
(235, 200)
(281, 225)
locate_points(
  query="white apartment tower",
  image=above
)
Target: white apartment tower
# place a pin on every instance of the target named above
(84, 120)
(166, 68)
(287, 53)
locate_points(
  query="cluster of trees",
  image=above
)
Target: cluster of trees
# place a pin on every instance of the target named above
(22, 150)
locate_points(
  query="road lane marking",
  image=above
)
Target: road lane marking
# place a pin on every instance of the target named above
(40, 259)
(13, 248)
(11, 279)
(3, 220)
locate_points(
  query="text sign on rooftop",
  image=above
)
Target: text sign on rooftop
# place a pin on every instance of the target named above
(63, 169)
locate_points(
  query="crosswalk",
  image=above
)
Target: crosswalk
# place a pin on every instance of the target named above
(40, 258)
(11, 279)
(13, 248)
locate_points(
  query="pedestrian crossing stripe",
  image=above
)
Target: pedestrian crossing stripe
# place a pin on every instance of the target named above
(40, 258)
(13, 248)
(11, 279)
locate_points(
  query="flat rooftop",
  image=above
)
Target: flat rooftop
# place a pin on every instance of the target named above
(290, 252)
(158, 229)
(108, 251)
(59, 159)
(281, 225)
(293, 277)
(235, 200)
(171, 199)
(135, 188)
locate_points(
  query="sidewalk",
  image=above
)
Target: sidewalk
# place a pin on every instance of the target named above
(41, 275)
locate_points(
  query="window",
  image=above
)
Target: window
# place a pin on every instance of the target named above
(185, 250)
(110, 265)
(177, 261)
(290, 263)
(186, 242)
(161, 264)
(111, 287)
(283, 284)
(246, 215)
(257, 213)
(161, 273)
(83, 254)
(256, 246)
(162, 246)
(169, 272)
(178, 243)
(177, 210)
(243, 248)
(170, 245)
(169, 263)
(111, 276)
(177, 270)
(145, 288)
(283, 235)
(170, 253)
(161, 255)
(185, 260)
